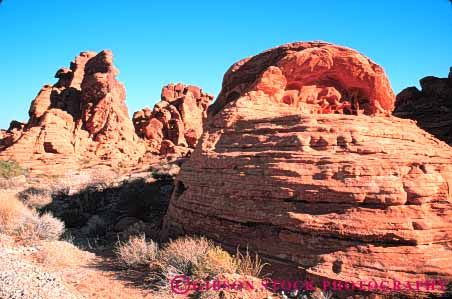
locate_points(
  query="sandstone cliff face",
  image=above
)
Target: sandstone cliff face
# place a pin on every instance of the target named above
(301, 160)
(81, 118)
(431, 106)
(175, 123)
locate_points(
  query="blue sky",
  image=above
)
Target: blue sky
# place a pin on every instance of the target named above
(158, 42)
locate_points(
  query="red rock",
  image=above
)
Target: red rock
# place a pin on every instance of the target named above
(82, 117)
(178, 118)
(314, 70)
(431, 107)
(282, 168)
(167, 147)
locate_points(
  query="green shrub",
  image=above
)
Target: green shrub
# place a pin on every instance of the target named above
(217, 261)
(10, 169)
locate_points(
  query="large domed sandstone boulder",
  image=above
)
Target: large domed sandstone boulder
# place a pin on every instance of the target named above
(81, 118)
(431, 106)
(301, 160)
(175, 123)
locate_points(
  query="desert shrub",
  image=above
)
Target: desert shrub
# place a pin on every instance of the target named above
(10, 169)
(36, 198)
(185, 254)
(26, 225)
(199, 259)
(137, 252)
(216, 261)
(46, 227)
(248, 265)
(195, 257)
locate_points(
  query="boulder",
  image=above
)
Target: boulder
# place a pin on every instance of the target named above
(301, 160)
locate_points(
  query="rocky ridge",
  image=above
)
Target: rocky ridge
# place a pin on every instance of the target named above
(83, 120)
(430, 107)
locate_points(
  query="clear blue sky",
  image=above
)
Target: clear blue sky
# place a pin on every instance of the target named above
(158, 42)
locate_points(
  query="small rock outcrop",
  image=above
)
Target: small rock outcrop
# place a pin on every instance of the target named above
(81, 118)
(431, 106)
(175, 123)
(301, 160)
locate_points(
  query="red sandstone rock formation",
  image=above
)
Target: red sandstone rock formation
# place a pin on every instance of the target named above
(175, 123)
(314, 78)
(431, 107)
(81, 118)
(301, 160)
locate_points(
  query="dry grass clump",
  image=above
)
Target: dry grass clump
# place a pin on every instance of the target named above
(61, 254)
(13, 214)
(137, 252)
(25, 224)
(185, 254)
(44, 227)
(248, 265)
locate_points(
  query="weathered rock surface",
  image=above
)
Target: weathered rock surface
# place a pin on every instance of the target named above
(81, 118)
(431, 106)
(301, 160)
(175, 123)
(314, 78)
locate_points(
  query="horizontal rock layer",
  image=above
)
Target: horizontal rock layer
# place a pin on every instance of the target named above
(346, 197)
